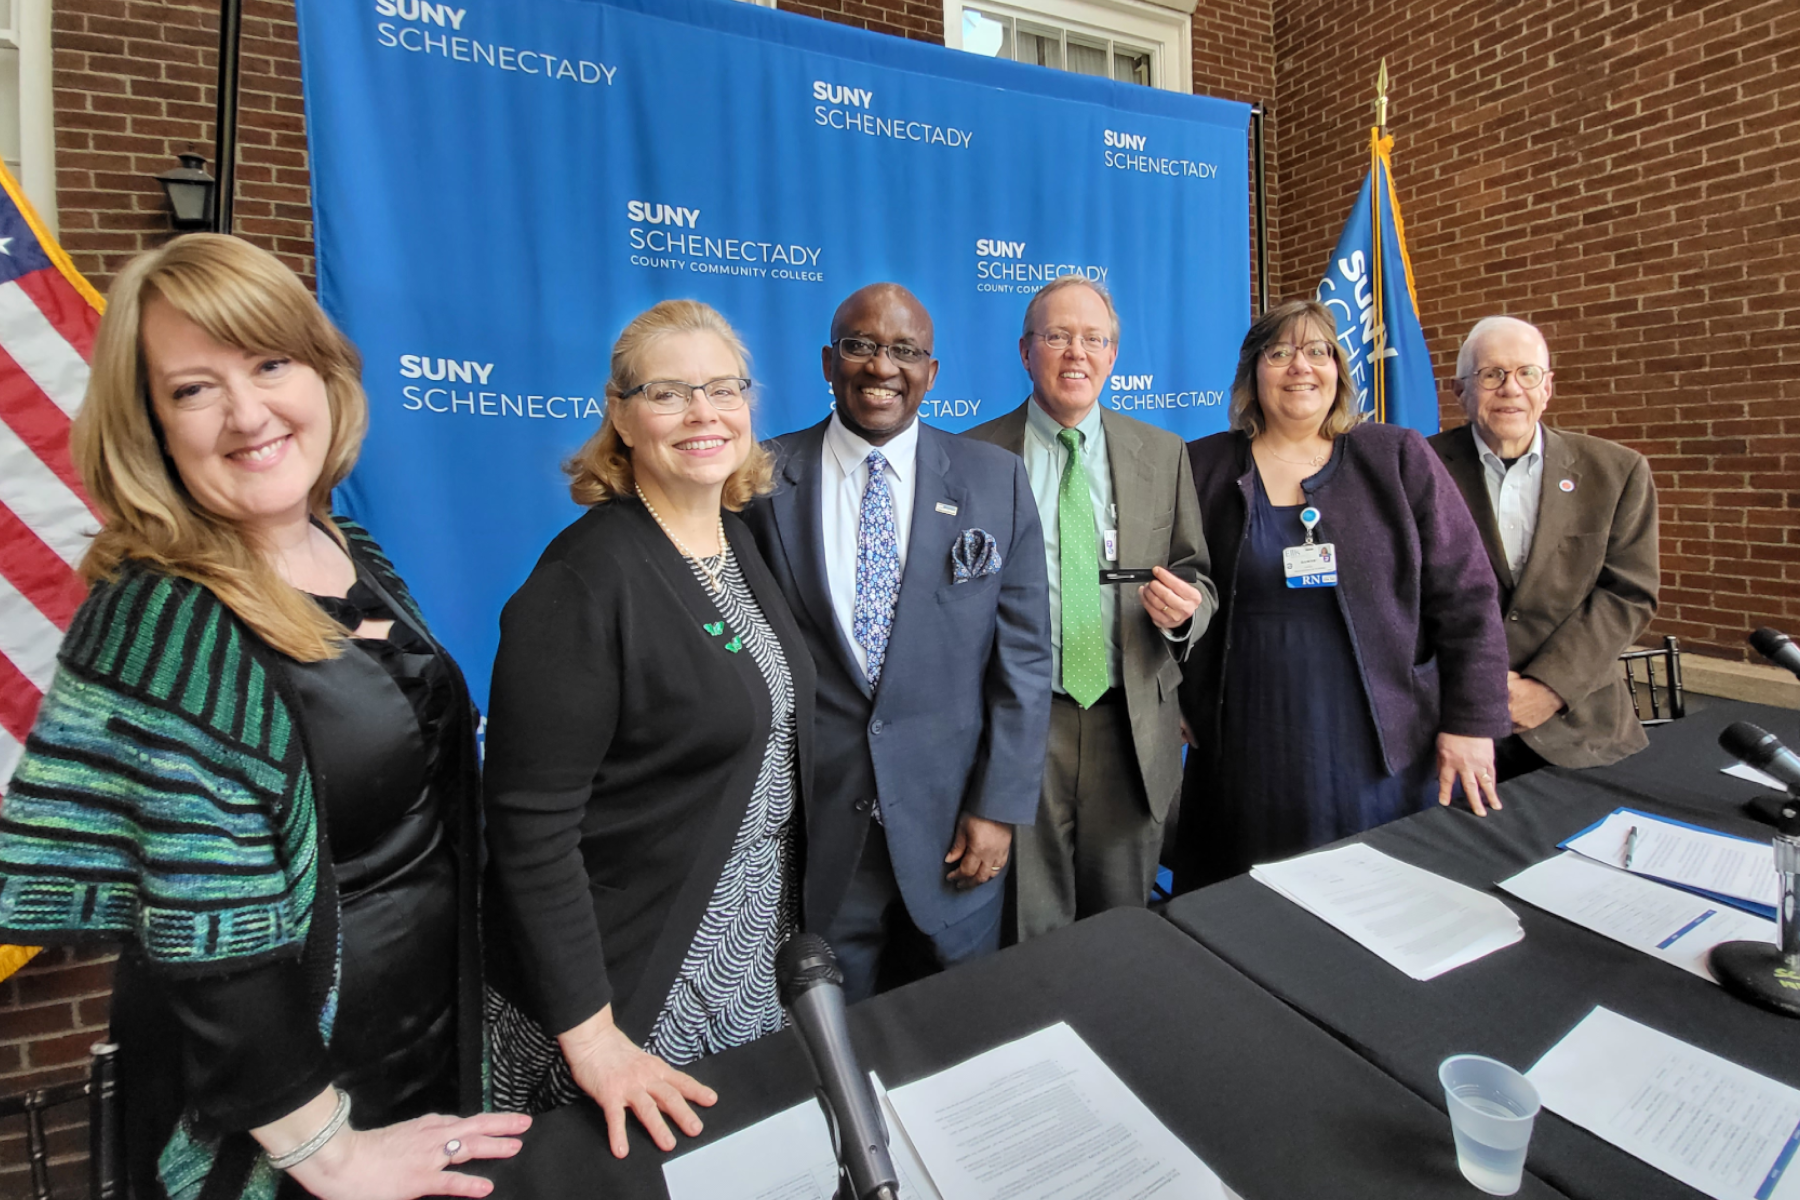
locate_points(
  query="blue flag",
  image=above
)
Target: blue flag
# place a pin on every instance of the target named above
(1369, 289)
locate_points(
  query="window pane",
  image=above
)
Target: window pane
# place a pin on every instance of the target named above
(982, 34)
(1038, 45)
(1087, 58)
(9, 107)
(1131, 66)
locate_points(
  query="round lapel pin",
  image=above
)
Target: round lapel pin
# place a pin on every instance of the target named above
(1567, 485)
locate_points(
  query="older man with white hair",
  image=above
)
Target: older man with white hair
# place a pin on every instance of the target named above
(1569, 522)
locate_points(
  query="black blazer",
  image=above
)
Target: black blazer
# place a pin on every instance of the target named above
(624, 740)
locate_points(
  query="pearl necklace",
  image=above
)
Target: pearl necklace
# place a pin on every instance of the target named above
(716, 577)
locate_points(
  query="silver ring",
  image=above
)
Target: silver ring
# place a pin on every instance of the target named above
(452, 1147)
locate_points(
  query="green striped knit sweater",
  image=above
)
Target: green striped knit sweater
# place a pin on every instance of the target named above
(165, 799)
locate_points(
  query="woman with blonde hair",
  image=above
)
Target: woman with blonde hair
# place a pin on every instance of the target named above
(1356, 669)
(647, 749)
(255, 768)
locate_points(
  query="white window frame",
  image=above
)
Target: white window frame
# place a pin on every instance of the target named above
(1164, 27)
(30, 35)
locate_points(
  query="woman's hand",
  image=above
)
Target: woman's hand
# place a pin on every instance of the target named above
(1470, 759)
(397, 1162)
(609, 1067)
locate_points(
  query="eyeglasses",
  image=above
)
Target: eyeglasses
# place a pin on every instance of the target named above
(1492, 379)
(901, 354)
(667, 396)
(1062, 339)
(1280, 354)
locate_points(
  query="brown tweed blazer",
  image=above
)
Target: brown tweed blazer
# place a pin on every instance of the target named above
(1587, 591)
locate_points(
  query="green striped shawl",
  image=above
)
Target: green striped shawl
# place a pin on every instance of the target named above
(165, 799)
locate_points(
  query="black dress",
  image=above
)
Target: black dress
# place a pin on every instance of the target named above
(1298, 764)
(242, 1049)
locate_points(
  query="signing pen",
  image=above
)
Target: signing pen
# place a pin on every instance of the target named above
(1630, 845)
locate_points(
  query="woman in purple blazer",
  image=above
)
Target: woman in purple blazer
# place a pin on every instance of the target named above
(1356, 669)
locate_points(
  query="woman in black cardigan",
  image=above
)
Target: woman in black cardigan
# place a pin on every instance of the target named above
(648, 739)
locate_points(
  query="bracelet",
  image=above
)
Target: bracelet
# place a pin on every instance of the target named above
(312, 1145)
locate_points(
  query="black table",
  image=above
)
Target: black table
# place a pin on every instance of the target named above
(1267, 1099)
(1515, 1004)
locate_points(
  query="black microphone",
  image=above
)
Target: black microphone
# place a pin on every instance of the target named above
(812, 991)
(1761, 749)
(1758, 971)
(1777, 647)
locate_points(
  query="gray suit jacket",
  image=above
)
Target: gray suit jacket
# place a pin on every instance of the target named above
(1159, 525)
(1587, 591)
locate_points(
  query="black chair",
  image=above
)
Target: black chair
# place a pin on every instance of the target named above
(106, 1177)
(1664, 698)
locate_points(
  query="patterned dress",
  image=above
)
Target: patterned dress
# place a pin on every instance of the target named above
(724, 995)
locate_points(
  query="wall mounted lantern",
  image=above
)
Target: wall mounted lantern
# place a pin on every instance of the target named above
(191, 192)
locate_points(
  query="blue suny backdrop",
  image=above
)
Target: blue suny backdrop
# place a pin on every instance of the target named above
(500, 185)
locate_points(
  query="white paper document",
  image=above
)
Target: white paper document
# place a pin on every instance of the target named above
(1419, 922)
(1043, 1118)
(1746, 771)
(1683, 855)
(1712, 1124)
(788, 1156)
(1664, 922)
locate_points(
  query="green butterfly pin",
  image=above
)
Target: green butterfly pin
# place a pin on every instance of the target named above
(735, 644)
(714, 627)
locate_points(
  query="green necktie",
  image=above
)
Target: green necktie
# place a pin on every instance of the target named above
(1083, 639)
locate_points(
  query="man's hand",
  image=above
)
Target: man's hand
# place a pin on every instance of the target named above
(1169, 599)
(620, 1077)
(979, 850)
(1530, 702)
(1471, 760)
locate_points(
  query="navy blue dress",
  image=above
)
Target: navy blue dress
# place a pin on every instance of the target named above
(1298, 764)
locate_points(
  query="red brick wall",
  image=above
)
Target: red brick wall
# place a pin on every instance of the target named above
(1625, 176)
(50, 1013)
(1234, 59)
(921, 20)
(134, 85)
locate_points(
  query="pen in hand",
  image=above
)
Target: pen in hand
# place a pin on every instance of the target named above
(1630, 845)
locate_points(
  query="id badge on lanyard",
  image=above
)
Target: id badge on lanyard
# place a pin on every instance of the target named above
(1310, 564)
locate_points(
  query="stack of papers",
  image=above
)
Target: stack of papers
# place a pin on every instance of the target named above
(1677, 926)
(1042, 1118)
(1710, 1123)
(1736, 870)
(1746, 771)
(1419, 922)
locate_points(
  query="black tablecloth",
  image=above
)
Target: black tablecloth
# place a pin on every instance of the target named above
(1270, 1101)
(1515, 1004)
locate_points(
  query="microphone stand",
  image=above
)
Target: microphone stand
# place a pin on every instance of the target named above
(1768, 975)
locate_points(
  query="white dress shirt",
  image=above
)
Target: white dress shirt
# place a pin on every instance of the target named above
(844, 475)
(1515, 493)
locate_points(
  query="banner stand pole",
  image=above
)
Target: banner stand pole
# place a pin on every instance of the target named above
(231, 19)
(1258, 169)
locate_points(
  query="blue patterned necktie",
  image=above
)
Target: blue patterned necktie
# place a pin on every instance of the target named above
(877, 568)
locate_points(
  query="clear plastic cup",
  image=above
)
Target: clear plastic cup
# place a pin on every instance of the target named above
(1492, 1108)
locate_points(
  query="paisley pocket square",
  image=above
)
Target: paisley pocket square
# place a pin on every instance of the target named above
(974, 554)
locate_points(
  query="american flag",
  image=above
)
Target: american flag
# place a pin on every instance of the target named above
(48, 315)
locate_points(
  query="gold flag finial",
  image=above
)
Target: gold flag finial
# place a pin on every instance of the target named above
(1381, 97)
